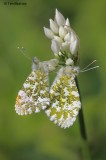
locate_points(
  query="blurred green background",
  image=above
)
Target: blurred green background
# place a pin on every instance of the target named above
(35, 137)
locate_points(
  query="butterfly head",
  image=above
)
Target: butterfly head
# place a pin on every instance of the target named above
(35, 63)
(52, 64)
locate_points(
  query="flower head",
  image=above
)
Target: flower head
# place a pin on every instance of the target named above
(64, 41)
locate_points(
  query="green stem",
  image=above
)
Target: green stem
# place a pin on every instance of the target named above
(81, 117)
(86, 151)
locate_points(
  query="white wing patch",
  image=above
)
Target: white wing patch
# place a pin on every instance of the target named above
(34, 95)
(65, 102)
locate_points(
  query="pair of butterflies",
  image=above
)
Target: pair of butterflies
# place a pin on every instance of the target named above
(61, 101)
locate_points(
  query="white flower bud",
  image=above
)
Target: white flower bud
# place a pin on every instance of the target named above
(73, 36)
(67, 37)
(62, 31)
(67, 22)
(65, 46)
(69, 62)
(74, 46)
(58, 39)
(64, 39)
(60, 53)
(55, 46)
(56, 55)
(69, 29)
(54, 26)
(59, 18)
(48, 33)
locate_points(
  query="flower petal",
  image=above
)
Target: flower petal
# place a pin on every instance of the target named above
(58, 39)
(55, 46)
(67, 22)
(74, 45)
(67, 37)
(54, 26)
(62, 31)
(48, 33)
(59, 18)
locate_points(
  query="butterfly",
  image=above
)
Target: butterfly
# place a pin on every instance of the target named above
(34, 95)
(61, 101)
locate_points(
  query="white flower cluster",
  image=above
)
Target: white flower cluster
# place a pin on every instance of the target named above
(64, 41)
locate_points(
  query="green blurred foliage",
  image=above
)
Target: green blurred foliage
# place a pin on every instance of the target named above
(35, 137)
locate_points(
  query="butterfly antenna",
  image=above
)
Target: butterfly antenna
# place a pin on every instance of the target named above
(23, 51)
(88, 65)
(85, 70)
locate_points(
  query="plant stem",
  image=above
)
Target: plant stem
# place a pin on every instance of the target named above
(81, 117)
(86, 151)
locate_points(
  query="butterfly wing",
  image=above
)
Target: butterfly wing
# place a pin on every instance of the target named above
(65, 102)
(34, 95)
